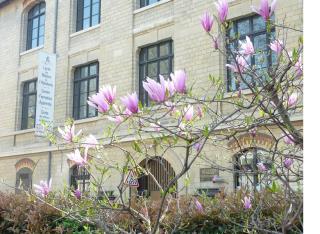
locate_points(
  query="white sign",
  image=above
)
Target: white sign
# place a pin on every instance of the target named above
(45, 91)
(131, 179)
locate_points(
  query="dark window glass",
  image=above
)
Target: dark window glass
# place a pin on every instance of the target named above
(35, 30)
(153, 61)
(80, 178)
(246, 172)
(144, 3)
(29, 102)
(86, 81)
(23, 180)
(88, 13)
(255, 28)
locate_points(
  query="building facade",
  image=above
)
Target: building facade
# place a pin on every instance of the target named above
(101, 42)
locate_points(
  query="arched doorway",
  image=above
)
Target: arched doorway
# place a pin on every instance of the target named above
(23, 179)
(162, 172)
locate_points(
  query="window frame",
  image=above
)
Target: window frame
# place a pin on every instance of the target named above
(80, 19)
(251, 34)
(30, 20)
(144, 62)
(144, 3)
(255, 172)
(84, 178)
(25, 103)
(76, 108)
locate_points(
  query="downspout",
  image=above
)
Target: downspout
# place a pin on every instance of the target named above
(54, 50)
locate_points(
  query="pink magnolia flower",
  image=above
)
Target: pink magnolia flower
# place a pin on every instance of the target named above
(68, 134)
(179, 81)
(292, 100)
(131, 102)
(158, 91)
(77, 158)
(77, 193)
(199, 112)
(207, 21)
(188, 113)
(276, 46)
(253, 131)
(222, 8)
(298, 67)
(215, 179)
(265, 10)
(90, 142)
(198, 205)
(198, 146)
(247, 203)
(99, 102)
(288, 139)
(246, 47)
(117, 119)
(288, 162)
(242, 64)
(109, 93)
(261, 167)
(43, 188)
(169, 86)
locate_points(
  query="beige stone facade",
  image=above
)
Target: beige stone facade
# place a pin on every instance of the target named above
(115, 43)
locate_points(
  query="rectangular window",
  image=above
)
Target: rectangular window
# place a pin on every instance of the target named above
(255, 28)
(35, 28)
(144, 3)
(154, 60)
(29, 102)
(88, 13)
(86, 80)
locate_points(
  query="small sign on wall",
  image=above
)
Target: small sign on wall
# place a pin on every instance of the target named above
(206, 174)
(45, 91)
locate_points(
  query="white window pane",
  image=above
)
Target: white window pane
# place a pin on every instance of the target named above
(86, 12)
(42, 20)
(86, 23)
(41, 40)
(86, 3)
(95, 9)
(95, 20)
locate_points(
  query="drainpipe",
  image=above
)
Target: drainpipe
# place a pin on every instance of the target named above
(54, 50)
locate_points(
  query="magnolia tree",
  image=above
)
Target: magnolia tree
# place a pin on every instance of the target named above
(266, 99)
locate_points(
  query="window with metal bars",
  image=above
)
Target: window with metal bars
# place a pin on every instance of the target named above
(35, 28)
(29, 102)
(144, 3)
(256, 29)
(86, 83)
(246, 173)
(154, 60)
(88, 13)
(80, 178)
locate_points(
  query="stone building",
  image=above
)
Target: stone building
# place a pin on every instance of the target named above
(98, 42)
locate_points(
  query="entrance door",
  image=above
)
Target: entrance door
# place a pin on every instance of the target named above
(163, 173)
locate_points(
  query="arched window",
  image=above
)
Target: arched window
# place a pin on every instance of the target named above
(162, 172)
(80, 178)
(35, 30)
(246, 173)
(24, 179)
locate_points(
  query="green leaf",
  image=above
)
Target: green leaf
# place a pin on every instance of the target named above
(206, 131)
(136, 147)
